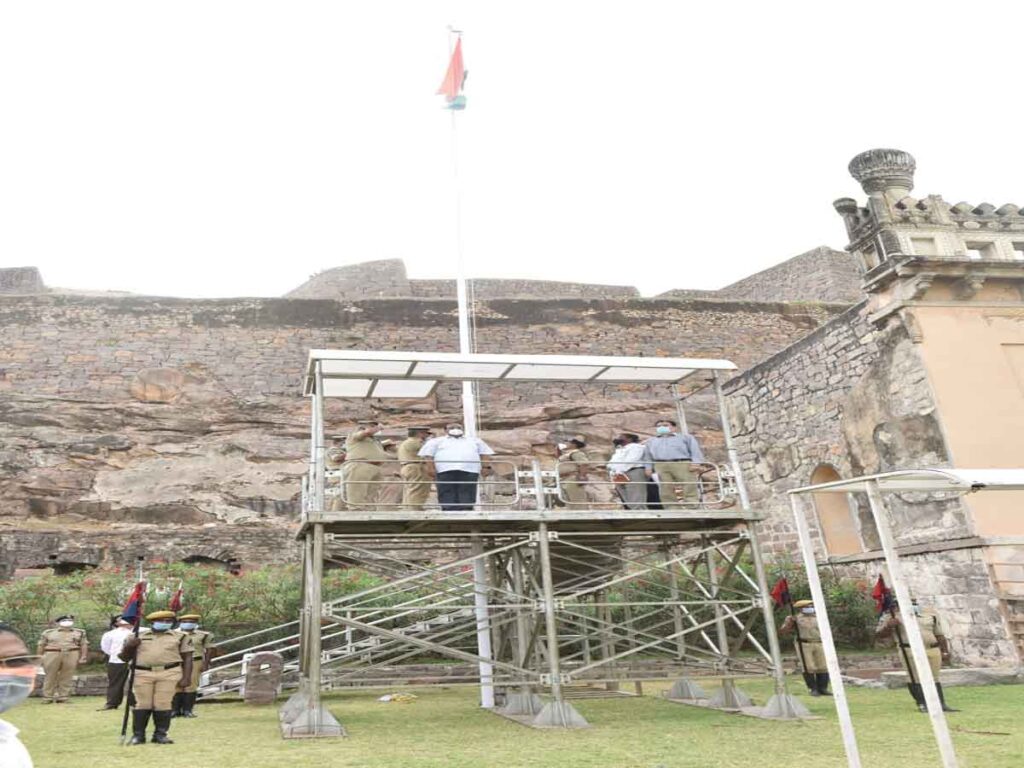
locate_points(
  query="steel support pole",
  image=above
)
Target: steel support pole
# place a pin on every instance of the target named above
(483, 623)
(825, 628)
(318, 441)
(680, 411)
(315, 608)
(924, 671)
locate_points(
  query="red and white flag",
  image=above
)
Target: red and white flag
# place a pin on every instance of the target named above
(175, 604)
(455, 77)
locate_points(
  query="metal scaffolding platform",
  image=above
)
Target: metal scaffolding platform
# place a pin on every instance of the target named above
(543, 602)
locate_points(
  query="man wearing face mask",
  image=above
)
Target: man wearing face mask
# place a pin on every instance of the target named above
(809, 651)
(415, 475)
(362, 471)
(163, 663)
(185, 701)
(63, 648)
(672, 456)
(572, 471)
(457, 467)
(17, 678)
(933, 634)
(626, 468)
(117, 671)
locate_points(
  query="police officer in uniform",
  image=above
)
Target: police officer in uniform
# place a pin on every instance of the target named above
(335, 460)
(809, 650)
(202, 642)
(163, 663)
(572, 470)
(63, 647)
(363, 473)
(415, 472)
(933, 634)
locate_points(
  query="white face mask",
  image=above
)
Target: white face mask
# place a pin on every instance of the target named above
(809, 610)
(562, 446)
(663, 429)
(455, 432)
(66, 623)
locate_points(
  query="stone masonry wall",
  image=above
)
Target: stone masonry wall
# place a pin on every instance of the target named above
(856, 398)
(18, 280)
(527, 289)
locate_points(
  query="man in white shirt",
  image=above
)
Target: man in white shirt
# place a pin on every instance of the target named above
(457, 466)
(626, 469)
(17, 678)
(117, 670)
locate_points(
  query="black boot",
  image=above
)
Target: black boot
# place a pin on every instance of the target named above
(140, 721)
(189, 705)
(942, 699)
(822, 680)
(162, 719)
(809, 682)
(918, 694)
(176, 704)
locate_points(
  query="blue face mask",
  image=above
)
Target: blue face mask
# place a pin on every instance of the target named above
(663, 430)
(162, 626)
(14, 689)
(188, 626)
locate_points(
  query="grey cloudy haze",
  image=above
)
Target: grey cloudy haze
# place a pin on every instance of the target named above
(234, 148)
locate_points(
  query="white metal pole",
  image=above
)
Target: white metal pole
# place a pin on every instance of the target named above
(827, 641)
(680, 410)
(483, 625)
(909, 621)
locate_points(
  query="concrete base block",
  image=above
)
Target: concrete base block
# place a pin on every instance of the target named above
(962, 676)
(685, 688)
(783, 706)
(559, 715)
(730, 697)
(296, 704)
(315, 723)
(521, 704)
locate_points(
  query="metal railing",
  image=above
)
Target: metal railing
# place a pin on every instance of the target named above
(711, 485)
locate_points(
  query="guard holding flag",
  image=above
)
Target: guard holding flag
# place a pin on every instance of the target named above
(163, 662)
(809, 648)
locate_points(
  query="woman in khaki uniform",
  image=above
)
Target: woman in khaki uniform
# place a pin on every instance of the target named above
(185, 701)
(809, 649)
(933, 635)
(62, 648)
(572, 471)
(163, 663)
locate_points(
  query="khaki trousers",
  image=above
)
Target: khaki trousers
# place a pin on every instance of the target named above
(813, 655)
(362, 484)
(416, 486)
(673, 475)
(155, 690)
(60, 673)
(934, 661)
(574, 492)
(197, 671)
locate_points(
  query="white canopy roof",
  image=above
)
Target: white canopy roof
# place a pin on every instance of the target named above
(927, 480)
(357, 373)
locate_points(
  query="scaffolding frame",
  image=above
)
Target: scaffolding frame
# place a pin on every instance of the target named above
(540, 599)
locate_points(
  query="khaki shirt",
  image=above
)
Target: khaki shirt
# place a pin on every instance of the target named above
(335, 457)
(930, 626)
(365, 449)
(201, 640)
(807, 626)
(409, 449)
(575, 456)
(160, 648)
(61, 639)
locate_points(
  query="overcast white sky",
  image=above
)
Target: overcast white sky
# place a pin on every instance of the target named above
(223, 148)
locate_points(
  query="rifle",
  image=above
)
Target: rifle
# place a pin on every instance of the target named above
(886, 597)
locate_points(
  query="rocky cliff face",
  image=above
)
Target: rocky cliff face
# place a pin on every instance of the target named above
(176, 428)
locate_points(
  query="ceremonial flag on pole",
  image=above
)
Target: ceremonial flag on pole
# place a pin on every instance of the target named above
(133, 608)
(454, 80)
(175, 604)
(882, 596)
(780, 593)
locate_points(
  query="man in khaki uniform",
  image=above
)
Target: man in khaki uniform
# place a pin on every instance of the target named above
(809, 649)
(63, 647)
(363, 473)
(202, 641)
(334, 459)
(163, 663)
(415, 472)
(572, 471)
(933, 635)
(673, 457)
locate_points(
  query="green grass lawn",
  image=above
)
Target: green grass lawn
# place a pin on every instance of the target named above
(445, 728)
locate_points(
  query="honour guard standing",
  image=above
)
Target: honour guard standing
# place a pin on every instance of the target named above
(809, 649)
(572, 470)
(933, 634)
(163, 663)
(415, 474)
(63, 647)
(202, 642)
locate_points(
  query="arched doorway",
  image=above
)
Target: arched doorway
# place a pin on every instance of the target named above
(838, 522)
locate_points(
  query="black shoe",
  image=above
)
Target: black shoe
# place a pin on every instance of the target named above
(809, 682)
(177, 704)
(163, 724)
(109, 706)
(942, 699)
(189, 705)
(821, 679)
(140, 720)
(918, 694)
